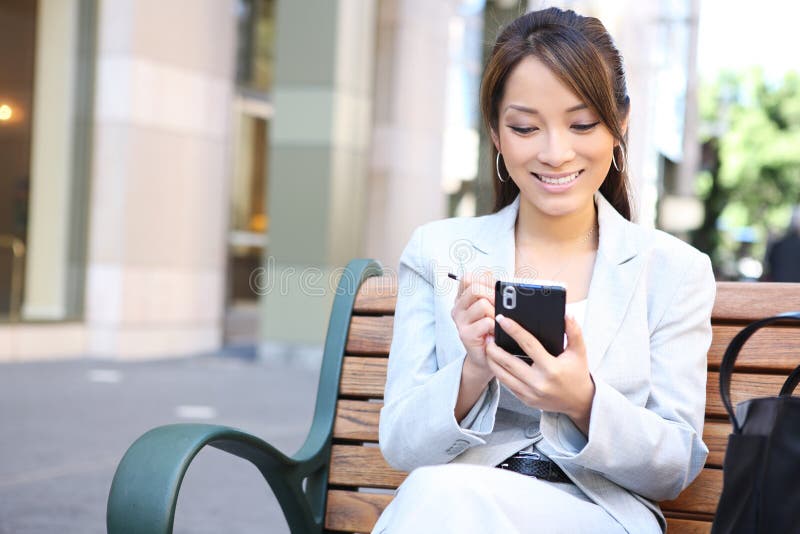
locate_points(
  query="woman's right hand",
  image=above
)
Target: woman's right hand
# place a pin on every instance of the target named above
(473, 313)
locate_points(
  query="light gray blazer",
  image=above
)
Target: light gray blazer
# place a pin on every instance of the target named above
(647, 330)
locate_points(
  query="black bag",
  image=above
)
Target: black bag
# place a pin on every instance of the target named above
(761, 477)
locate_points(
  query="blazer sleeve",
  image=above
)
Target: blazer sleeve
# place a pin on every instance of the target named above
(417, 422)
(654, 450)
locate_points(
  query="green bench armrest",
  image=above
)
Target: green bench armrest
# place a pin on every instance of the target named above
(146, 485)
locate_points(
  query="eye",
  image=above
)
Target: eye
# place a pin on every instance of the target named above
(584, 127)
(523, 130)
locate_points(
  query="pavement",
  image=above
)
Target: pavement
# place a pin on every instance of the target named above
(64, 426)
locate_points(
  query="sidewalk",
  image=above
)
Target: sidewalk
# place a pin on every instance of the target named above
(65, 425)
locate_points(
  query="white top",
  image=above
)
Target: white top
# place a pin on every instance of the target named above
(577, 310)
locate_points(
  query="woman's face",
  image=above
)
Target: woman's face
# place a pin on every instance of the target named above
(555, 148)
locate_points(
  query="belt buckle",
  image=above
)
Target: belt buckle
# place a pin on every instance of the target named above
(531, 455)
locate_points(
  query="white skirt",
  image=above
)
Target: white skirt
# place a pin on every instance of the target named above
(467, 499)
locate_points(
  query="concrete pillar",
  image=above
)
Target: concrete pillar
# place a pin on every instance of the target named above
(410, 94)
(318, 167)
(155, 273)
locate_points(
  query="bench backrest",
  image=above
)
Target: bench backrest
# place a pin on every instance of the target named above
(361, 482)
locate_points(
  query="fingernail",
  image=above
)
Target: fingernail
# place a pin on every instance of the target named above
(499, 318)
(490, 339)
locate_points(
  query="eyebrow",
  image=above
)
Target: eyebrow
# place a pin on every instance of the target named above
(536, 112)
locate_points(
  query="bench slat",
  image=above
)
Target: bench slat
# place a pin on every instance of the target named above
(736, 301)
(377, 296)
(686, 526)
(357, 466)
(743, 386)
(353, 465)
(749, 301)
(715, 435)
(701, 496)
(357, 420)
(370, 335)
(350, 511)
(363, 377)
(770, 349)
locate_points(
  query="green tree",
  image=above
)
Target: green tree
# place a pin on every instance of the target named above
(751, 156)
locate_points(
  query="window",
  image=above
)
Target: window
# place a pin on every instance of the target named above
(46, 80)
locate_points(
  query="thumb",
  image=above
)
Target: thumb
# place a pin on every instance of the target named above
(574, 336)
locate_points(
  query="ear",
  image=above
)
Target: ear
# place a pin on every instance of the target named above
(495, 139)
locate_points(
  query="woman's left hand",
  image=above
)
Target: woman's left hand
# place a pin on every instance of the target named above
(554, 384)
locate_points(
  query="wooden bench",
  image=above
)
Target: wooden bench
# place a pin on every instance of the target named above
(339, 482)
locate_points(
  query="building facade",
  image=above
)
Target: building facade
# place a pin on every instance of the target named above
(178, 177)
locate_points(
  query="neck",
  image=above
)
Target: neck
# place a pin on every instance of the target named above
(534, 227)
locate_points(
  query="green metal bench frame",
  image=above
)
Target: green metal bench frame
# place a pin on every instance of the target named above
(147, 481)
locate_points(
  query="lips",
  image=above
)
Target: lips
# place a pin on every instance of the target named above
(562, 178)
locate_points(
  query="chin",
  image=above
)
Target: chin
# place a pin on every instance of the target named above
(554, 207)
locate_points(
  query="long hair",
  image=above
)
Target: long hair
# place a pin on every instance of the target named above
(582, 55)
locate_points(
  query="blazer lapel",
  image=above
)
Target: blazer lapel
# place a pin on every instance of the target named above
(493, 244)
(616, 272)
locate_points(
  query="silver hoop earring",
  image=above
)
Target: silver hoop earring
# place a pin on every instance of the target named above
(622, 156)
(497, 167)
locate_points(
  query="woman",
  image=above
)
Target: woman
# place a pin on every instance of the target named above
(589, 441)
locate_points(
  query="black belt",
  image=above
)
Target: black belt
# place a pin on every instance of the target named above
(533, 465)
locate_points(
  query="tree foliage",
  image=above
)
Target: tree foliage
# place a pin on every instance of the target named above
(750, 130)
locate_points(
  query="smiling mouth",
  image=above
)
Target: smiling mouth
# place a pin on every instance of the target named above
(558, 179)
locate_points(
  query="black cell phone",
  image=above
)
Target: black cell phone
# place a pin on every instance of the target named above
(538, 307)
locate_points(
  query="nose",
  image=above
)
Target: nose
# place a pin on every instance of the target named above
(557, 149)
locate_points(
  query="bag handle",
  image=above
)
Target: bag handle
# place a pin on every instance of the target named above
(791, 383)
(736, 344)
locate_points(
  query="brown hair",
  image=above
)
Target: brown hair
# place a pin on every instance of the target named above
(581, 54)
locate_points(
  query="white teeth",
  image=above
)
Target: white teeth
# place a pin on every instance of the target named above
(558, 181)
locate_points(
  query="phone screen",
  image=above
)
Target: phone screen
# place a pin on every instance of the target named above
(539, 308)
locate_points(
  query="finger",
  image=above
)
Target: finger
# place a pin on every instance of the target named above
(483, 277)
(527, 342)
(482, 283)
(482, 287)
(513, 364)
(464, 301)
(463, 314)
(478, 310)
(518, 387)
(464, 282)
(575, 341)
(478, 330)
(470, 291)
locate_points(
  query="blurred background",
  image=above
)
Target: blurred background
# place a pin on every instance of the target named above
(181, 182)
